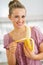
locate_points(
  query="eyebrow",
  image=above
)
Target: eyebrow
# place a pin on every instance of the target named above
(22, 15)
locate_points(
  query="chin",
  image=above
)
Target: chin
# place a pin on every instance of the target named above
(20, 26)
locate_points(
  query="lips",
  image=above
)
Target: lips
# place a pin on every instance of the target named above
(20, 23)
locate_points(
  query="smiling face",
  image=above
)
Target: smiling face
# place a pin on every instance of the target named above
(18, 17)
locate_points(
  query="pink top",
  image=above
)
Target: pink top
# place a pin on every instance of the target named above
(20, 56)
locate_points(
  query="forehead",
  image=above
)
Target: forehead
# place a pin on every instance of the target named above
(19, 11)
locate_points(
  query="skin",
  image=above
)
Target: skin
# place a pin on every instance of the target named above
(18, 19)
(34, 56)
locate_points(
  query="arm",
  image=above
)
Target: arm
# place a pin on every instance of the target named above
(10, 50)
(33, 56)
(11, 54)
(40, 55)
(39, 38)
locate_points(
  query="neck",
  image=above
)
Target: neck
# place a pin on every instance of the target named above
(20, 30)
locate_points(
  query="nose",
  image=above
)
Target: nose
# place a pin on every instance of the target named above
(20, 19)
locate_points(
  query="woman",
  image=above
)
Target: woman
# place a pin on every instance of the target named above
(17, 53)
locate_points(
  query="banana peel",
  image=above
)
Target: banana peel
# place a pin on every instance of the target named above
(29, 42)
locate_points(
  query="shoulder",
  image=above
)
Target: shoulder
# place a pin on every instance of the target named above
(7, 39)
(38, 35)
(36, 29)
(6, 36)
(33, 28)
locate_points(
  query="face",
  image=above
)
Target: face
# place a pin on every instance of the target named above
(18, 17)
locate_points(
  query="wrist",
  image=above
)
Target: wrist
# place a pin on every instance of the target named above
(35, 57)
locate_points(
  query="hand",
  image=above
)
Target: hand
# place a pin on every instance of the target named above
(12, 47)
(29, 54)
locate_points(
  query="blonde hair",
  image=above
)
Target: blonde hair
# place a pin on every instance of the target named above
(14, 4)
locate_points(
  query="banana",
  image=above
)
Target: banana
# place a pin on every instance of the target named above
(29, 42)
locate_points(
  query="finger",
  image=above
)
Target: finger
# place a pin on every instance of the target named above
(26, 52)
(13, 44)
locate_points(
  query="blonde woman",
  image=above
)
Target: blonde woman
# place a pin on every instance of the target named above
(16, 53)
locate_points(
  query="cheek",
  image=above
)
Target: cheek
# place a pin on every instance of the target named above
(15, 20)
(24, 20)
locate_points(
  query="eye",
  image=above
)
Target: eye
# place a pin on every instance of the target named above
(16, 16)
(23, 16)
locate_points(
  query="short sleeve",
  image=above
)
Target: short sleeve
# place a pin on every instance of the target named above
(6, 41)
(38, 35)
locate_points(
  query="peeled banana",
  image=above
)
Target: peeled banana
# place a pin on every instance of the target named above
(29, 42)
